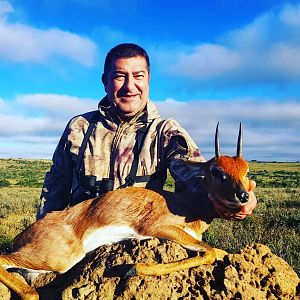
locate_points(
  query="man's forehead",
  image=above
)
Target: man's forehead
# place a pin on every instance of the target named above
(136, 63)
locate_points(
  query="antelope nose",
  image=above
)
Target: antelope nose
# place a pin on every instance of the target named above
(243, 197)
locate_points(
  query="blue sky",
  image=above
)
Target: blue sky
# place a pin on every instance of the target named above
(211, 61)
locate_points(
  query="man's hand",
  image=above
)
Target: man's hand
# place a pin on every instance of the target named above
(245, 210)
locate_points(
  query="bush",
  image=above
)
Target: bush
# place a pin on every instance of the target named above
(4, 183)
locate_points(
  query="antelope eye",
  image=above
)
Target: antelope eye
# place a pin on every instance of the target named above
(217, 173)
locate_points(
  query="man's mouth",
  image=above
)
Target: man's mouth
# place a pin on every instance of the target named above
(128, 97)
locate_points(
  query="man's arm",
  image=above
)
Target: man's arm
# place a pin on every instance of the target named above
(56, 189)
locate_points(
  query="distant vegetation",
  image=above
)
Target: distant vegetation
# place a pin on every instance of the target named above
(276, 221)
(276, 175)
(23, 173)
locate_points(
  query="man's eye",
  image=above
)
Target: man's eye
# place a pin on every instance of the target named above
(119, 77)
(139, 77)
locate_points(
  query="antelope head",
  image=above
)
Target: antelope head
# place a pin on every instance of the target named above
(225, 176)
(228, 175)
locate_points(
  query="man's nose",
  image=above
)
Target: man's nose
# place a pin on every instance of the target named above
(129, 84)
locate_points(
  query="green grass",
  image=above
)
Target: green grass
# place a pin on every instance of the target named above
(285, 175)
(20, 187)
(22, 172)
(275, 222)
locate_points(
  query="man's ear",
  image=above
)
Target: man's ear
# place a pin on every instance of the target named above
(104, 80)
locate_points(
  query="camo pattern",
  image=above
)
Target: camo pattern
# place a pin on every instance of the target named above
(109, 152)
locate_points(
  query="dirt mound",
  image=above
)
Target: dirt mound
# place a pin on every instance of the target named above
(254, 273)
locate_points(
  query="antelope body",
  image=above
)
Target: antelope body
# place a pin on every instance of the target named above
(62, 238)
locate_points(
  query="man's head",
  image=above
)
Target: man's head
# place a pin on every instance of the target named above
(126, 79)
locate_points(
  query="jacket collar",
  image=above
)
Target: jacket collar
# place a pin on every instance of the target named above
(149, 113)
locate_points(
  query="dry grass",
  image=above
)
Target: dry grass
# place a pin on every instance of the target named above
(18, 207)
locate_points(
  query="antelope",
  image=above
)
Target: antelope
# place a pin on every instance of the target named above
(62, 238)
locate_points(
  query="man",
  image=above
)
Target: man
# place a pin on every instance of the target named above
(125, 142)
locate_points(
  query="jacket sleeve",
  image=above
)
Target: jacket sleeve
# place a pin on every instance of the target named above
(177, 142)
(186, 179)
(56, 189)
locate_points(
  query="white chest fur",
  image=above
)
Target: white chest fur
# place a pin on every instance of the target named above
(108, 235)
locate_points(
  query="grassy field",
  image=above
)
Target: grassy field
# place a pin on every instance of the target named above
(276, 221)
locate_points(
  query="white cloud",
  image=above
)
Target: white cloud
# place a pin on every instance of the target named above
(265, 51)
(23, 43)
(39, 115)
(5, 8)
(290, 15)
(206, 61)
(55, 105)
(271, 128)
(285, 59)
(2, 104)
(22, 149)
(19, 125)
(32, 124)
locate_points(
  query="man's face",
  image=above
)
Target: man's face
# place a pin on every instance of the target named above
(127, 85)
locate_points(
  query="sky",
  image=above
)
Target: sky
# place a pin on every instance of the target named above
(211, 61)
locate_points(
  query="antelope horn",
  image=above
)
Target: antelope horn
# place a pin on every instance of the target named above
(239, 143)
(217, 142)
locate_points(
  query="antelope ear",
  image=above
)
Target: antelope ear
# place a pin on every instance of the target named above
(183, 169)
(193, 161)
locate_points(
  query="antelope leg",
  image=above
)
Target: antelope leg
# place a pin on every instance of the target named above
(176, 234)
(22, 289)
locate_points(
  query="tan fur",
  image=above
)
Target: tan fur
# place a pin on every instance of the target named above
(236, 167)
(57, 242)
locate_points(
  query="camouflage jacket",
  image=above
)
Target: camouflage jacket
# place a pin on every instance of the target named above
(109, 153)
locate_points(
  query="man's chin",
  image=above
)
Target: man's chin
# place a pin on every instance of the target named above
(124, 115)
